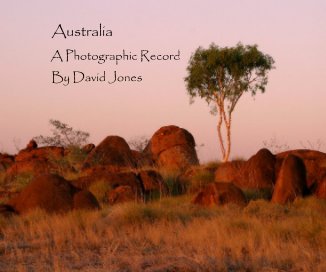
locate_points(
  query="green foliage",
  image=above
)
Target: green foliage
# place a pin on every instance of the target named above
(199, 180)
(254, 194)
(21, 181)
(212, 164)
(63, 135)
(227, 72)
(172, 182)
(221, 75)
(75, 156)
(171, 179)
(100, 189)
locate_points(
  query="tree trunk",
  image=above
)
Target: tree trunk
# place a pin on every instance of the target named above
(228, 139)
(227, 123)
(220, 136)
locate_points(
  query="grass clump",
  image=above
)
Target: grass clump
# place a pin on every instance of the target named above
(20, 182)
(212, 164)
(171, 179)
(100, 189)
(255, 194)
(200, 179)
(75, 157)
(169, 234)
(167, 209)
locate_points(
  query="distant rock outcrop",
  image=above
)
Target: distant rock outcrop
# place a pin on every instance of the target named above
(172, 148)
(291, 181)
(220, 193)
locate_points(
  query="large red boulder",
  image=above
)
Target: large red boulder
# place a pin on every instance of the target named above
(112, 151)
(51, 193)
(172, 148)
(320, 191)
(220, 193)
(259, 171)
(315, 164)
(256, 173)
(291, 181)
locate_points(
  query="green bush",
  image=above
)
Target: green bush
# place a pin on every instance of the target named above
(254, 194)
(199, 180)
(100, 189)
(21, 181)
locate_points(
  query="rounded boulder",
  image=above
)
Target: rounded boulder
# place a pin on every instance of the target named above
(113, 150)
(51, 193)
(173, 148)
(259, 171)
(291, 181)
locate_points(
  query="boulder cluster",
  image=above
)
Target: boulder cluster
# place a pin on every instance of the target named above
(112, 173)
(286, 176)
(121, 174)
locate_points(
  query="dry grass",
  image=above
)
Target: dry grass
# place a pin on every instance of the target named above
(169, 235)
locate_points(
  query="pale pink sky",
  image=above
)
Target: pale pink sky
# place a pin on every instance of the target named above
(292, 109)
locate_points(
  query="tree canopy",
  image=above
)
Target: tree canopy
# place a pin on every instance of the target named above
(221, 75)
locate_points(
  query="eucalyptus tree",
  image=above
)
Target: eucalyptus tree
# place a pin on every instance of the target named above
(221, 75)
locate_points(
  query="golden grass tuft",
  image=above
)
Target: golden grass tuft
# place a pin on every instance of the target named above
(169, 235)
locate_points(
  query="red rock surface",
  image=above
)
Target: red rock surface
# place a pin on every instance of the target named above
(220, 193)
(51, 193)
(291, 181)
(172, 148)
(114, 151)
